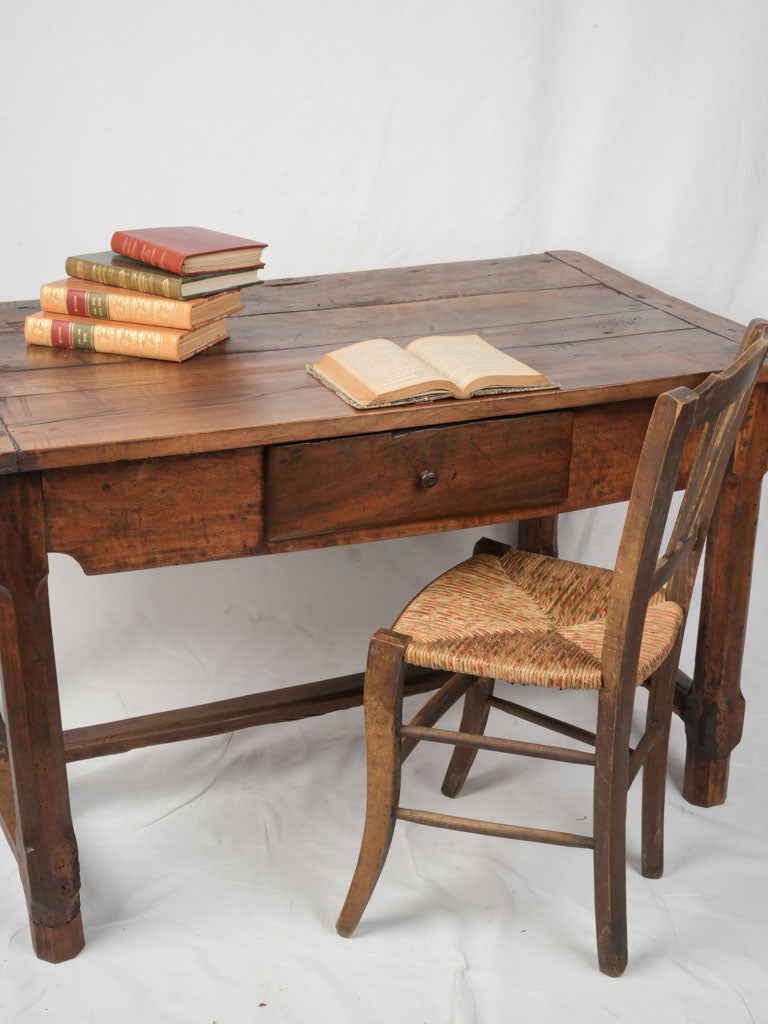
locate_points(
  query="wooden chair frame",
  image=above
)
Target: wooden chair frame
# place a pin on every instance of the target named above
(715, 409)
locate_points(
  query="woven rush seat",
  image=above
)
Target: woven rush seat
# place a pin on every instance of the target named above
(526, 618)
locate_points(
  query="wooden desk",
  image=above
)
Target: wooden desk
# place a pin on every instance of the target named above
(126, 464)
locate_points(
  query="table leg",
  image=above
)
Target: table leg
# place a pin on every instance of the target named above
(42, 835)
(538, 535)
(713, 709)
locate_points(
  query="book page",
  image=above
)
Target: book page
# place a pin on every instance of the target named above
(382, 368)
(469, 362)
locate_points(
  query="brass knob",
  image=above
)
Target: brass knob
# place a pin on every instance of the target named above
(428, 478)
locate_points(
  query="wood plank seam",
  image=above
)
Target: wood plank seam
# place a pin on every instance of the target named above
(247, 313)
(675, 303)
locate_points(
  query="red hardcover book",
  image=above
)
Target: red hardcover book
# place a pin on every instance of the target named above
(189, 250)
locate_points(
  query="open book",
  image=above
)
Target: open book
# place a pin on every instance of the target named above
(374, 373)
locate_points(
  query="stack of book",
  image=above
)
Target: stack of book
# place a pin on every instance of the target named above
(160, 293)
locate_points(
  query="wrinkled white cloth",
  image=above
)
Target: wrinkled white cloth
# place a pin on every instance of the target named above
(351, 136)
(213, 870)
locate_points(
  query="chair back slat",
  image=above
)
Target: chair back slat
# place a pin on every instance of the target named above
(716, 409)
(721, 403)
(669, 563)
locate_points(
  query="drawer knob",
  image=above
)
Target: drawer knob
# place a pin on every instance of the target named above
(428, 478)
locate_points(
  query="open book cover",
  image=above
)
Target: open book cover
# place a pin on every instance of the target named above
(376, 373)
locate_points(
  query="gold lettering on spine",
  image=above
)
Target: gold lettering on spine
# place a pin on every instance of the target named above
(98, 305)
(82, 336)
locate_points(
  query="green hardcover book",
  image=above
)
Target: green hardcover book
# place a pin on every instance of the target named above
(122, 272)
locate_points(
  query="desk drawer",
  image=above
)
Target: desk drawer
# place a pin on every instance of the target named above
(410, 476)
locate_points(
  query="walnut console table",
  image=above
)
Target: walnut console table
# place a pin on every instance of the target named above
(127, 464)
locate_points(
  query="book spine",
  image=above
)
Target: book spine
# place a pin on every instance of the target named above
(150, 283)
(121, 339)
(148, 252)
(127, 308)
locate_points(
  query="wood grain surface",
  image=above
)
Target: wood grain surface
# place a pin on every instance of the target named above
(600, 334)
(151, 512)
(353, 482)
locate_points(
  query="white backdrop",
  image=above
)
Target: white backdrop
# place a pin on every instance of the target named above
(352, 135)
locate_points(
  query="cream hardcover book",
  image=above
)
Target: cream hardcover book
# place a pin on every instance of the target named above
(375, 373)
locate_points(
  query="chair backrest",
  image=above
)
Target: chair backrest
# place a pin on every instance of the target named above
(716, 409)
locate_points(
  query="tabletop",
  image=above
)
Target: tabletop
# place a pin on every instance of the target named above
(600, 334)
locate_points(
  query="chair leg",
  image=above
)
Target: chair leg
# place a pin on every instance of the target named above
(610, 821)
(473, 719)
(383, 717)
(660, 700)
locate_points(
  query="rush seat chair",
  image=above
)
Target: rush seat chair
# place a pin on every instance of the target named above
(528, 618)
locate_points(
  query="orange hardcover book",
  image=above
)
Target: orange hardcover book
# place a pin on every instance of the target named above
(75, 297)
(122, 339)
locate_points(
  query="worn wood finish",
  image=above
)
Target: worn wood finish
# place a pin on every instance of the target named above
(481, 312)
(492, 828)
(636, 564)
(575, 732)
(437, 705)
(295, 339)
(289, 347)
(645, 293)
(714, 704)
(653, 735)
(498, 743)
(44, 839)
(654, 765)
(134, 515)
(474, 716)
(707, 419)
(363, 482)
(383, 718)
(236, 404)
(603, 338)
(283, 705)
(538, 535)
(412, 284)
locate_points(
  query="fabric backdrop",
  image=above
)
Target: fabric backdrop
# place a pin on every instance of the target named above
(352, 135)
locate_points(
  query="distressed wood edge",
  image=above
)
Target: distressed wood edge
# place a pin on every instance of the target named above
(9, 450)
(58, 944)
(634, 289)
(417, 528)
